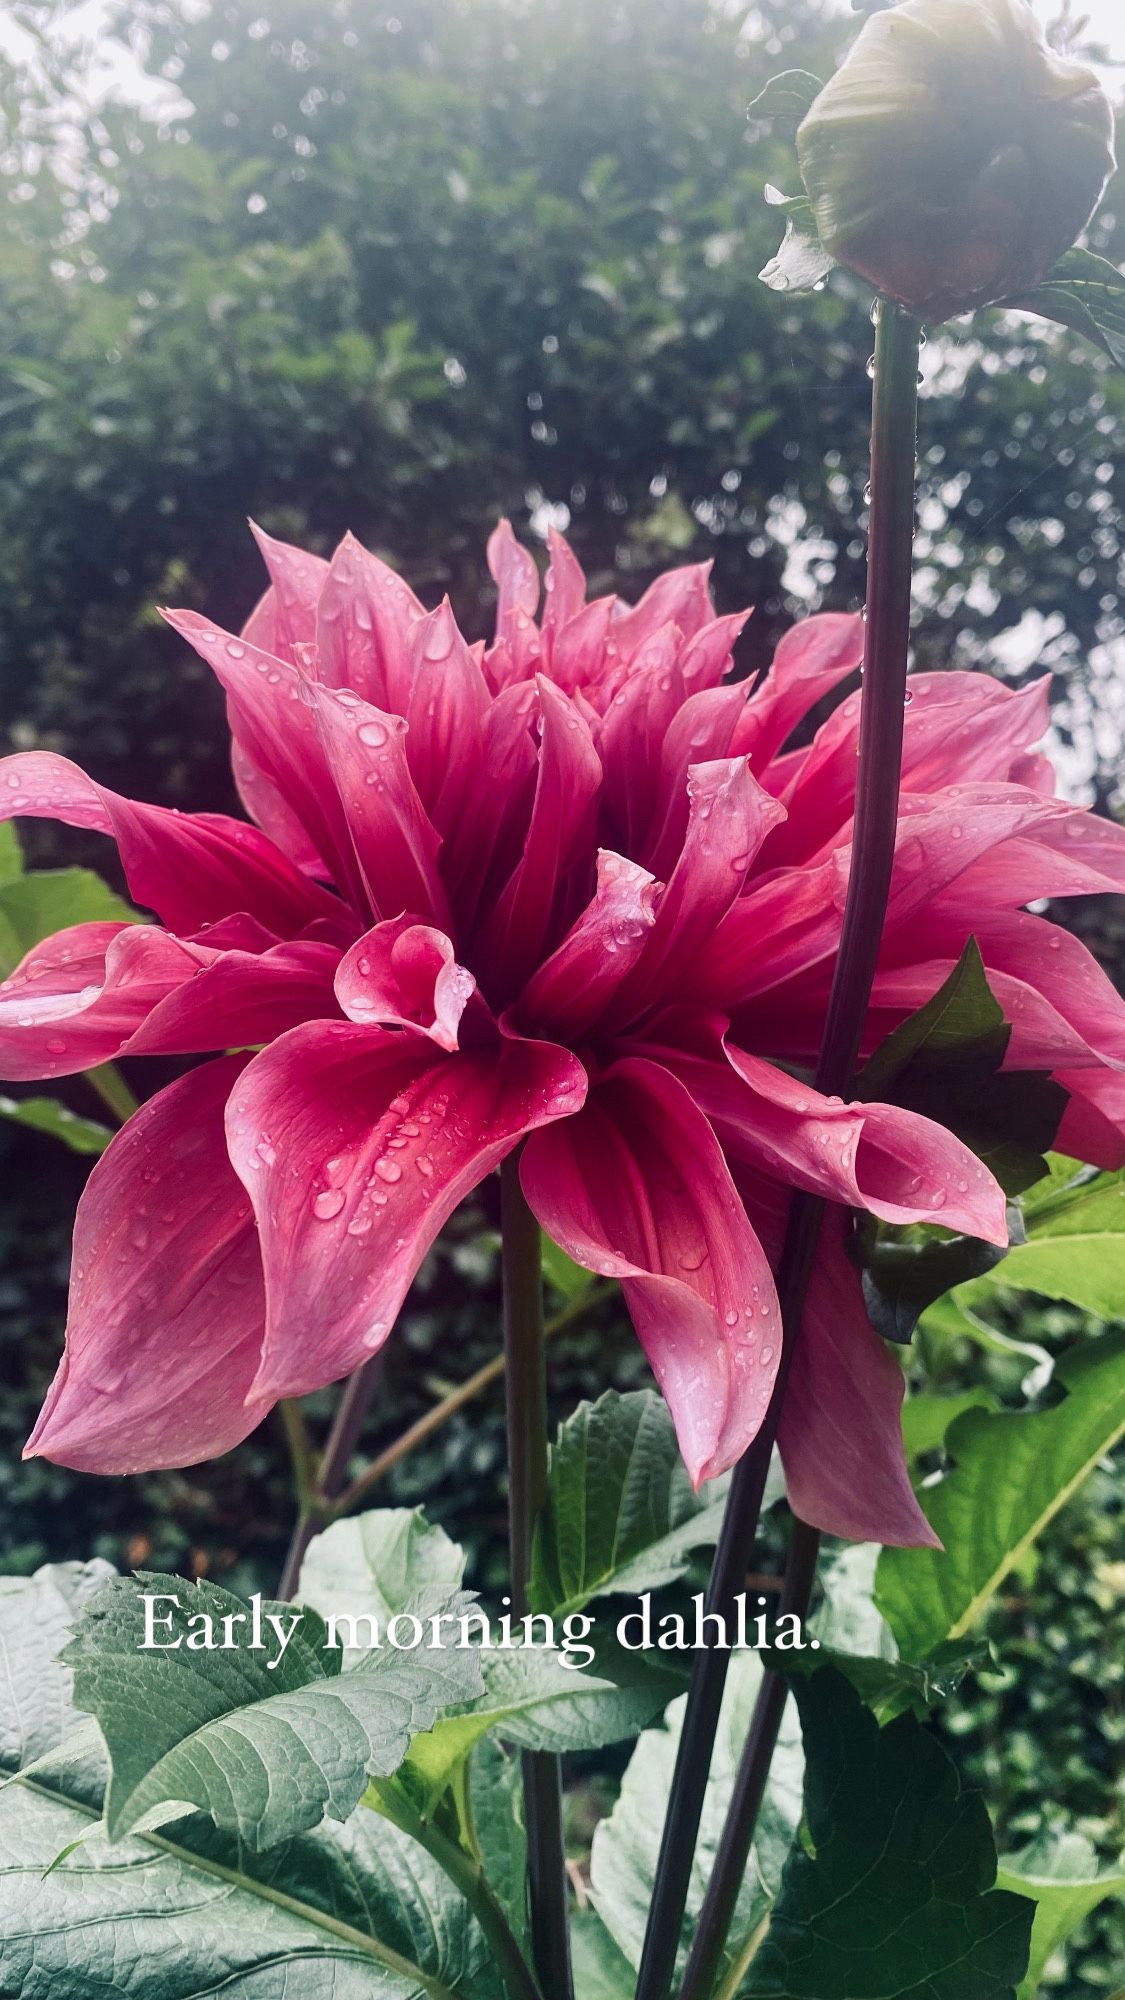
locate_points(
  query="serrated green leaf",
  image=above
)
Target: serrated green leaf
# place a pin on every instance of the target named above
(926, 1418)
(1074, 1250)
(788, 94)
(46, 1114)
(852, 1635)
(1062, 1877)
(621, 1516)
(375, 1565)
(496, 1809)
(534, 1702)
(945, 1063)
(952, 1318)
(623, 1860)
(345, 1913)
(898, 1899)
(1012, 1472)
(36, 1615)
(303, 1736)
(34, 906)
(1085, 292)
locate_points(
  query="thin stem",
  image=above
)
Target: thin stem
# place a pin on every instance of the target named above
(316, 1494)
(525, 1350)
(108, 1083)
(893, 436)
(468, 1876)
(733, 1853)
(466, 1392)
(302, 1458)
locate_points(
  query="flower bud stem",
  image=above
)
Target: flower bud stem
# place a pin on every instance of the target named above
(893, 440)
(526, 1378)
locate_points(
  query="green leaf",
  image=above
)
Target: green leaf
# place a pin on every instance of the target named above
(621, 1516)
(46, 1114)
(786, 95)
(302, 1735)
(11, 858)
(34, 906)
(375, 1565)
(926, 1418)
(496, 1811)
(951, 1318)
(1085, 292)
(1074, 1250)
(36, 1615)
(897, 1897)
(345, 1913)
(945, 1062)
(801, 263)
(567, 1277)
(623, 1861)
(904, 1270)
(1012, 1473)
(537, 1704)
(852, 1635)
(1060, 1873)
(601, 1972)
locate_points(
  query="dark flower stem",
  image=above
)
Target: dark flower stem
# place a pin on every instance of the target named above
(893, 439)
(318, 1491)
(526, 1375)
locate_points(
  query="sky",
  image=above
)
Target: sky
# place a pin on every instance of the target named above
(113, 68)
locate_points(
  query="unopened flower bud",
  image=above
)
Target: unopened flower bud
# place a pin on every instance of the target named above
(954, 157)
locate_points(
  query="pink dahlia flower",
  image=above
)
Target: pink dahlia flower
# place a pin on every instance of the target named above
(570, 889)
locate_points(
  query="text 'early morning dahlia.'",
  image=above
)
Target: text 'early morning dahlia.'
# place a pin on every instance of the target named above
(568, 888)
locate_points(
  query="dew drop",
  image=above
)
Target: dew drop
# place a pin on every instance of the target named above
(328, 1203)
(388, 1170)
(870, 368)
(372, 733)
(235, 649)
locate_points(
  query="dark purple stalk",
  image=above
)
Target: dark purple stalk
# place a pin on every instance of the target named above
(893, 437)
(315, 1502)
(526, 1387)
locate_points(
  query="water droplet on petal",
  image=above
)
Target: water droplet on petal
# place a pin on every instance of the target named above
(328, 1203)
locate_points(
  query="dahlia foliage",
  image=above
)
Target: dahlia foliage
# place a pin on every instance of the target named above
(569, 888)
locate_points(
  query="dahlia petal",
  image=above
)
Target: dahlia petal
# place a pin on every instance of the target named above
(701, 731)
(191, 868)
(405, 975)
(707, 657)
(636, 1187)
(632, 737)
(898, 1165)
(285, 617)
(476, 866)
(237, 999)
(1041, 1037)
(680, 597)
(958, 728)
(729, 817)
(365, 628)
(1039, 954)
(564, 589)
(76, 999)
(394, 842)
(356, 1145)
(566, 994)
(841, 1428)
(514, 572)
(1093, 1124)
(267, 807)
(811, 659)
(567, 784)
(448, 702)
(1065, 851)
(166, 1296)
(583, 657)
(778, 930)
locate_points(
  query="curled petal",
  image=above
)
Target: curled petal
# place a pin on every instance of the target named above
(1093, 1124)
(636, 1187)
(680, 597)
(584, 657)
(76, 999)
(193, 869)
(166, 1299)
(566, 994)
(356, 1144)
(564, 590)
(900, 1166)
(632, 737)
(701, 731)
(236, 999)
(365, 628)
(405, 975)
(707, 657)
(513, 571)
